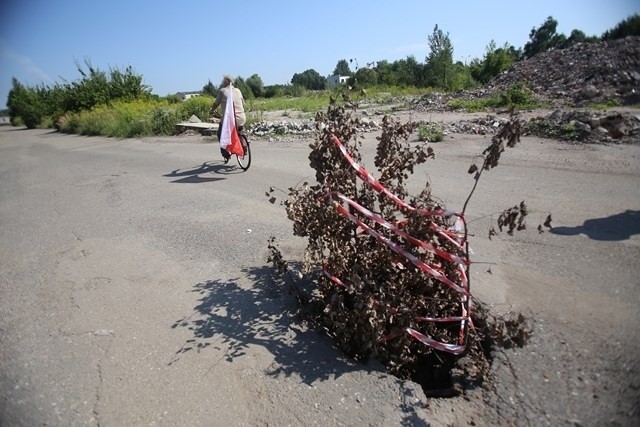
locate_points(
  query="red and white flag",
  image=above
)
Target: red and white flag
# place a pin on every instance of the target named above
(229, 138)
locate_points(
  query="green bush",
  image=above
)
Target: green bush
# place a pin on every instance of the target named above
(430, 132)
(138, 128)
(163, 120)
(198, 106)
(16, 121)
(548, 129)
(120, 120)
(517, 95)
(100, 121)
(41, 106)
(473, 105)
(46, 123)
(127, 119)
(68, 123)
(131, 119)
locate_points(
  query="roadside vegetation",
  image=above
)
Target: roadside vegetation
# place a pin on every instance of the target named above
(116, 103)
(517, 97)
(430, 132)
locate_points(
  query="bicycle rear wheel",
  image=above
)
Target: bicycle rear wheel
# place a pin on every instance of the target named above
(244, 161)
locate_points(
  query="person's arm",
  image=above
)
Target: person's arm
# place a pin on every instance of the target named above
(214, 107)
(216, 103)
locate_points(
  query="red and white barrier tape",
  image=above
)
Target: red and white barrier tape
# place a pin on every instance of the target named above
(451, 236)
(378, 187)
(401, 251)
(428, 341)
(397, 230)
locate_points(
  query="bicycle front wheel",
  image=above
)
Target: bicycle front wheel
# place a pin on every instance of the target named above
(245, 161)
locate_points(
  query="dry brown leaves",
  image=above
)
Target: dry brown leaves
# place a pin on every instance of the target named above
(383, 293)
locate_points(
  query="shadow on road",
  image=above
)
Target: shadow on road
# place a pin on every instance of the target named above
(229, 316)
(15, 128)
(191, 176)
(195, 179)
(612, 228)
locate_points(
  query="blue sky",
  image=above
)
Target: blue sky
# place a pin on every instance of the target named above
(181, 45)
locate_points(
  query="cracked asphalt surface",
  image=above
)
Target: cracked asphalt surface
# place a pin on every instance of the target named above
(135, 288)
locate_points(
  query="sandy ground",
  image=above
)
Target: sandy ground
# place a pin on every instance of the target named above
(129, 299)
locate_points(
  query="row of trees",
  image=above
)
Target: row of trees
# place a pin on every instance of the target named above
(32, 105)
(440, 71)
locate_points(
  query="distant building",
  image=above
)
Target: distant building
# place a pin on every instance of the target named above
(186, 95)
(336, 80)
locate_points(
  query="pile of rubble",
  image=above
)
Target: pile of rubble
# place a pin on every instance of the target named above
(585, 74)
(436, 101)
(570, 125)
(300, 128)
(282, 128)
(586, 126)
(479, 126)
(582, 74)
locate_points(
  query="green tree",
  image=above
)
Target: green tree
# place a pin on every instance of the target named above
(439, 68)
(627, 27)
(126, 85)
(543, 38)
(386, 74)
(309, 79)
(174, 98)
(91, 90)
(578, 36)
(96, 87)
(409, 72)
(364, 77)
(241, 84)
(15, 99)
(256, 85)
(54, 99)
(25, 105)
(461, 77)
(342, 68)
(494, 62)
(273, 91)
(210, 89)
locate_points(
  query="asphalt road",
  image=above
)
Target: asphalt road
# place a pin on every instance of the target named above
(135, 291)
(135, 288)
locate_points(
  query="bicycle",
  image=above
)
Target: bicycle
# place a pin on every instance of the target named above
(244, 161)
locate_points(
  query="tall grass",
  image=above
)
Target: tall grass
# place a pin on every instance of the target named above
(307, 104)
(517, 96)
(312, 102)
(135, 118)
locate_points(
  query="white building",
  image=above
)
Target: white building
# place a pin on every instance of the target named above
(186, 95)
(336, 80)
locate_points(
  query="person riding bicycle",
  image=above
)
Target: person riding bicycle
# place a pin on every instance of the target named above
(238, 106)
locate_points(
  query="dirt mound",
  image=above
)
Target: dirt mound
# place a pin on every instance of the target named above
(583, 74)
